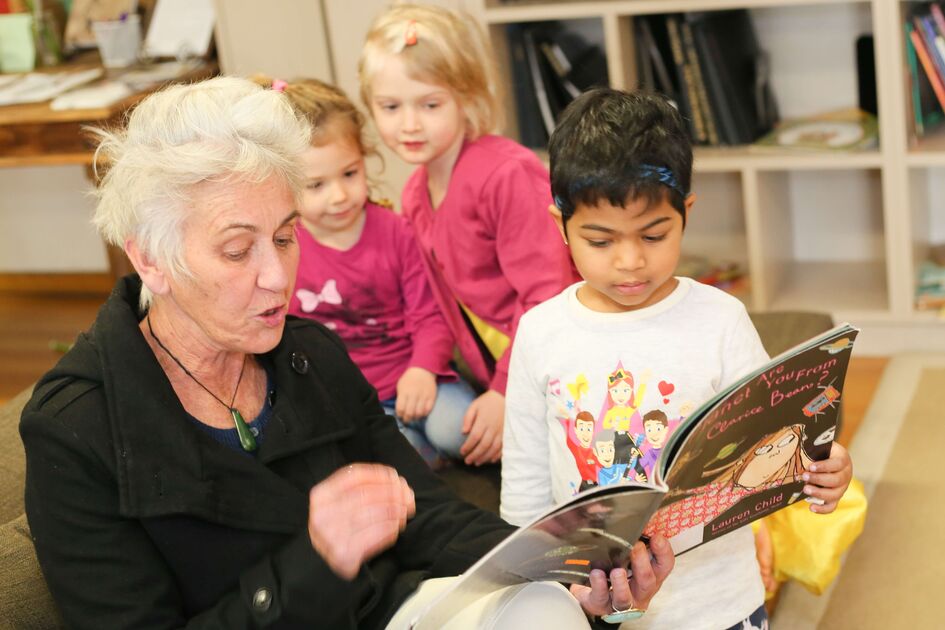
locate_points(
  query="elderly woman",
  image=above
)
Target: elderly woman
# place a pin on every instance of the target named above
(199, 459)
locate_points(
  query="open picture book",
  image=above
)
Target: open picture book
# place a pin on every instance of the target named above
(735, 459)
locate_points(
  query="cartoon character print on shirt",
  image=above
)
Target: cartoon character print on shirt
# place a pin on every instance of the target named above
(621, 414)
(616, 445)
(657, 427)
(354, 317)
(579, 428)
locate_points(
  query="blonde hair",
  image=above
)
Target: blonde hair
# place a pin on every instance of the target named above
(449, 49)
(221, 129)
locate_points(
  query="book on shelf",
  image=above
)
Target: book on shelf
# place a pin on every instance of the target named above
(551, 65)
(930, 284)
(927, 113)
(842, 130)
(720, 74)
(737, 458)
(925, 64)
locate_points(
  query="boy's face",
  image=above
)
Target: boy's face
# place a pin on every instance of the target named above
(605, 453)
(655, 433)
(584, 430)
(627, 255)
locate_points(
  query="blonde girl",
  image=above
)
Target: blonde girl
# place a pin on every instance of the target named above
(478, 202)
(361, 274)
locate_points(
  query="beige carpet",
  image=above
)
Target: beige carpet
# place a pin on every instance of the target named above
(894, 575)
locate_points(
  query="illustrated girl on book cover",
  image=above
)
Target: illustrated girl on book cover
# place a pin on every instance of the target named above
(775, 459)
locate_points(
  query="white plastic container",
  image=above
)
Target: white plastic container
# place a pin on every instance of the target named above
(118, 40)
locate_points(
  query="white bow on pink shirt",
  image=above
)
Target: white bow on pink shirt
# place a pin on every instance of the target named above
(310, 300)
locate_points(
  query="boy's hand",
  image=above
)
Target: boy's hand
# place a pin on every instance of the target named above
(482, 425)
(828, 479)
(637, 591)
(416, 393)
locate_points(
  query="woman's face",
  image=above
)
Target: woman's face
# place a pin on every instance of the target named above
(239, 243)
(621, 393)
(770, 457)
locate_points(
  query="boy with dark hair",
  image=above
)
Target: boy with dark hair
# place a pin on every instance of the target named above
(621, 169)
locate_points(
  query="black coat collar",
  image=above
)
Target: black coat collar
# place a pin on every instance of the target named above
(165, 465)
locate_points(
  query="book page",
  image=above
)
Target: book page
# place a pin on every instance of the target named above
(744, 453)
(594, 532)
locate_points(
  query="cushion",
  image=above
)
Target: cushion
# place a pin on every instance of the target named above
(25, 601)
(12, 459)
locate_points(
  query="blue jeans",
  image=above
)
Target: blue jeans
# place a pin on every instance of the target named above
(441, 432)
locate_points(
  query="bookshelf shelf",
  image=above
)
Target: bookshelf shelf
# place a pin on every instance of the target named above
(526, 11)
(721, 159)
(848, 287)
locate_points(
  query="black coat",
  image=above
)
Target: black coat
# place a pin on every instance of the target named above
(141, 520)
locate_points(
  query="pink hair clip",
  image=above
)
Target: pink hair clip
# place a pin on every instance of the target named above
(278, 85)
(410, 35)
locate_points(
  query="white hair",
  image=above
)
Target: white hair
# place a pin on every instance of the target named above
(222, 129)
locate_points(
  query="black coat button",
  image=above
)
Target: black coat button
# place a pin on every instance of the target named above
(262, 599)
(299, 362)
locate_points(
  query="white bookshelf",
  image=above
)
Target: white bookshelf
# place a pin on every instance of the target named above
(840, 233)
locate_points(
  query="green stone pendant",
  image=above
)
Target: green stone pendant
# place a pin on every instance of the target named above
(247, 441)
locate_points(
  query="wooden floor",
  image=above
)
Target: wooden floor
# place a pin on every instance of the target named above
(30, 324)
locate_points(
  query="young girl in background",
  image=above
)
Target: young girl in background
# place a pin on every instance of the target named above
(361, 274)
(477, 202)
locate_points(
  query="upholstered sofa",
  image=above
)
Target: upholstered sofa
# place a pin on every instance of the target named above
(24, 600)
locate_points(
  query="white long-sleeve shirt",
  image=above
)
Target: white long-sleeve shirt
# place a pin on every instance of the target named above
(618, 367)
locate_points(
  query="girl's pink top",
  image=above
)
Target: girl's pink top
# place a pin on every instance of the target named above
(376, 297)
(491, 244)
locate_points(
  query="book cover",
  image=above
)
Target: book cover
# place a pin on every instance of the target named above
(717, 90)
(695, 64)
(538, 82)
(689, 100)
(927, 112)
(530, 128)
(735, 459)
(744, 68)
(928, 66)
(842, 130)
(662, 77)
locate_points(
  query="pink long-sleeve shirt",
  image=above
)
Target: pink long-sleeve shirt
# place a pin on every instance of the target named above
(491, 244)
(377, 298)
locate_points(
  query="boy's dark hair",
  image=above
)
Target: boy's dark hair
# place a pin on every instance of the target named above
(616, 145)
(656, 416)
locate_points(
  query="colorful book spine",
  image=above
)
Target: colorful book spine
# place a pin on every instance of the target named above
(687, 87)
(926, 28)
(913, 64)
(928, 65)
(939, 18)
(692, 58)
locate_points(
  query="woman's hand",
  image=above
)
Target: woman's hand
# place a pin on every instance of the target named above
(356, 513)
(648, 575)
(416, 393)
(482, 426)
(828, 479)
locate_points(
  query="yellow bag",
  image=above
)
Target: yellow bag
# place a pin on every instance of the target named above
(808, 546)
